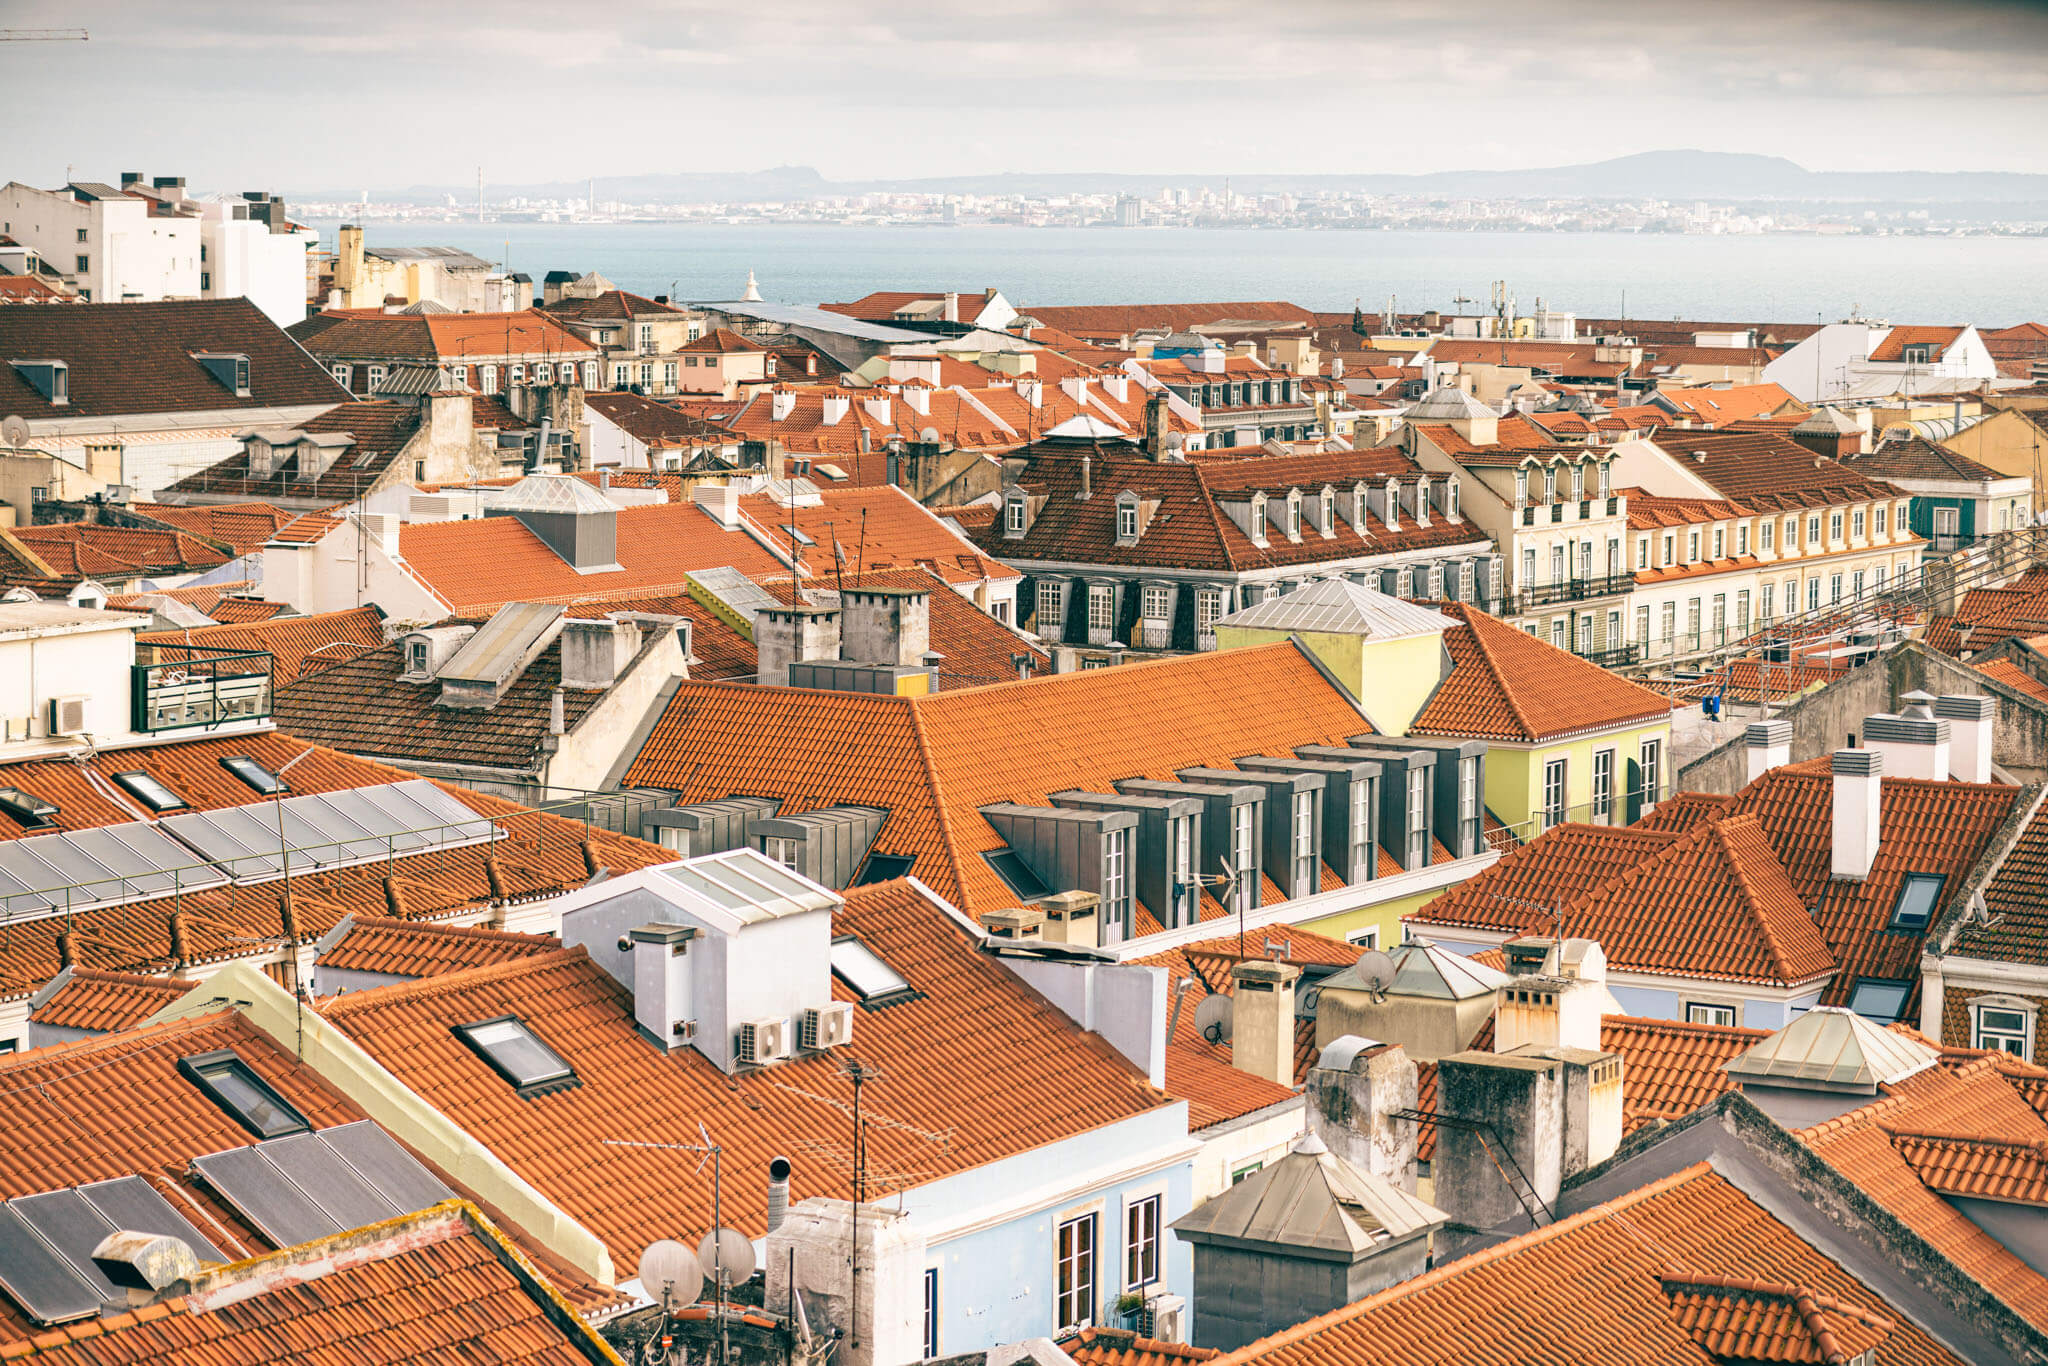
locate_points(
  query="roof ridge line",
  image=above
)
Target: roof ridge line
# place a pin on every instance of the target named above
(1722, 831)
(349, 1003)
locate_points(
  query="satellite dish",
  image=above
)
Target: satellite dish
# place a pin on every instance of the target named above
(1376, 970)
(668, 1266)
(726, 1252)
(1212, 1019)
(14, 431)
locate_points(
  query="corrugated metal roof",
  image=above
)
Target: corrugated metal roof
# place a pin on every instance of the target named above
(1341, 606)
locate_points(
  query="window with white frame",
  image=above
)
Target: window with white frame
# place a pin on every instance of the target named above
(1742, 539)
(1361, 830)
(2005, 1023)
(1101, 607)
(1553, 793)
(1013, 514)
(1116, 848)
(782, 851)
(1651, 758)
(1368, 938)
(1521, 488)
(1418, 818)
(1643, 625)
(490, 379)
(1158, 602)
(1603, 784)
(1766, 534)
(1050, 593)
(1768, 603)
(1329, 513)
(1303, 840)
(1692, 547)
(341, 374)
(1835, 527)
(459, 373)
(1074, 1273)
(1880, 510)
(1707, 1013)
(1720, 543)
(1557, 629)
(1451, 500)
(590, 374)
(1293, 516)
(518, 374)
(1642, 552)
(1127, 521)
(1791, 533)
(1813, 594)
(1208, 610)
(931, 1313)
(1243, 855)
(544, 372)
(1141, 1242)
(1188, 892)
(376, 375)
(1856, 523)
(1813, 529)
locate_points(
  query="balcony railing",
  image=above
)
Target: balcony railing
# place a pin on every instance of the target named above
(1615, 658)
(1570, 590)
(196, 685)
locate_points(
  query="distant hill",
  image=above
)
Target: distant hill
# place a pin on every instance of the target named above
(1675, 175)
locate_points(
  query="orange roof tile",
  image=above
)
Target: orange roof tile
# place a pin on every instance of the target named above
(1506, 684)
(1756, 1321)
(933, 762)
(877, 528)
(415, 948)
(1116, 1347)
(1733, 404)
(105, 1001)
(1983, 1169)
(2014, 677)
(243, 527)
(1893, 347)
(1056, 1080)
(297, 645)
(1589, 1289)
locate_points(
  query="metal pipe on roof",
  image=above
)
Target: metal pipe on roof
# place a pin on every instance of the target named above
(778, 1191)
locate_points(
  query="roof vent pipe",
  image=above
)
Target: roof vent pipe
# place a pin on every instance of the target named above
(778, 1191)
(1087, 477)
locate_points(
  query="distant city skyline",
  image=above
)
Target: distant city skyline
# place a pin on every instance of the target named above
(239, 95)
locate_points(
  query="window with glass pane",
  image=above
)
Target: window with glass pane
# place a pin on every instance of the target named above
(1813, 595)
(1115, 872)
(236, 1088)
(1141, 1243)
(1880, 519)
(1916, 901)
(1158, 603)
(1304, 843)
(2008, 1031)
(515, 1053)
(1834, 526)
(931, 1313)
(1692, 546)
(1856, 524)
(1709, 1014)
(1243, 858)
(1101, 608)
(1766, 534)
(1208, 609)
(1603, 784)
(1652, 761)
(1190, 892)
(1418, 818)
(1074, 1273)
(1553, 793)
(1742, 539)
(1127, 521)
(1014, 511)
(1361, 830)
(783, 851)
(1878, 1000)
(1049, 608)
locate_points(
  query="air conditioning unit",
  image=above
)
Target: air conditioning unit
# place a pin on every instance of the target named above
(1167, 1317)
(763, 1040)
(67, 715)
(828, 1026)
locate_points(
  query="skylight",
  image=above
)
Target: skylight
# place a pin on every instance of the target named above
(149, 791)
(255, 775)
(234, 1086)
(1916, 901)
(29, 811)
(1878, 1000)
(861, 968)
(884, 868)
(517, 1055)
(1010, 866)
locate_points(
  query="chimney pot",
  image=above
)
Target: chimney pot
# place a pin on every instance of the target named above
(778, 1191)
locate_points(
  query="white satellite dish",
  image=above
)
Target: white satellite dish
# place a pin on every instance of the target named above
(668, 1266)
(1376, 971)
(726, 1252)
(14, 430)
(1212, 1019)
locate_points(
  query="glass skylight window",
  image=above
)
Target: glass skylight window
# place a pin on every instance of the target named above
(1021, 880)
(149, 791)
(234, 1086)
(1916, 901)
(515, 1054)
(29, 811)
(1878, 1000)
(255, 775)
(884, 868)
(861, 968)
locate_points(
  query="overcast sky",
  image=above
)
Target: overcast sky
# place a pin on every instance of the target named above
(379, 94)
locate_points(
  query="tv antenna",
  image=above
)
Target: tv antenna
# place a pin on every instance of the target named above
(724, 1255)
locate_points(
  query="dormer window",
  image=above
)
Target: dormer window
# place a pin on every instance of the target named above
(1578, 483)
(1521, 488)
(1126, 519)
(1258, 518)
(1606, 478)
(50, 378)
(1550, 484)
(1919, 354)
(1451, 496)
(229, 370)
(1329, 527)
(1013, 515)
(1294, 515)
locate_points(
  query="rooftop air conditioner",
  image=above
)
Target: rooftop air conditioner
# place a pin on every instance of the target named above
(828, 1026)
(1165, 1318)
(67, 715)
(763, 1040)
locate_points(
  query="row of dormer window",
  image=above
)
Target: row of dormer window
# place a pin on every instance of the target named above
(52, 378)
(1241, 393)
(1783, 539)
(1574, 488)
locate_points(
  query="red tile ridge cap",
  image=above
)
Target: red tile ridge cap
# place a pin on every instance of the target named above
(1809, 1304)
(349, 1002)
(1649, 1025)
(138, 1039)
(1606, 1209)
(1890, 1102)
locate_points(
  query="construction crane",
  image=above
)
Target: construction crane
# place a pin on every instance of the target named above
(42, 35)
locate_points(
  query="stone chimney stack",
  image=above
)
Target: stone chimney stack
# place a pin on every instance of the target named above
(1971, 720)
(1914, 743)
(1354, 1092)
(1262, 1019)
(795, 633)
(1859, 787)
(885, 626)
(1769, 745)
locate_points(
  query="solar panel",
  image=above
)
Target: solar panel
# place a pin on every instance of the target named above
(307, 1186)
(71, 1226)
(265, 1196)
(337, 1187)
(396, 1172)
(129, 1202)
(329, 829)
(37, 1279)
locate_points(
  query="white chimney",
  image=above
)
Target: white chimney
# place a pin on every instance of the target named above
(1558, 1007)
(1914, 742)
(1970, 721)
(919, 398)
(1118, 387)
(952, 307)
(662, 1004)
(1859, 789)
(781, 404)
(1032, 391)
(381, 529)
(722, 501)
(1337, 367)
(1262, 1019)
(878, 409)
(1769, 744)
(832, 409)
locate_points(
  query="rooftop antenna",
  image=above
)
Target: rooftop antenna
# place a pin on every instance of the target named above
(718, 1255)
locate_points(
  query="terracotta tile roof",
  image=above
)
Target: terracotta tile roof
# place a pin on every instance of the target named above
(1979, 1168)
(1589, 1289)
(2014, 677)
(298, 646)
(933, 762)
(1558, 868)
(525, 335)
(416, 948)
(1756, 1321)
(877, 528)
(106, 1001)
(1976, 1103)
(1893, 347)
(1647, 511)
(1765, 470)
(884, 304)
(1987, 616)
(1684, 810)
(1506, 684)
(361, 704)
(242, 527)
(1734, 404)
(2014, 927)
(614, 305)
(725, 341)
(1115, 1347)
(201, 596)
(1120, 320)
(541, 855)
(479, 565)
(1191, 530)
(87, 548)
(1056, 1080)
(1670, 1069)
(382, 428)
(657, 424)
(1517, 440)
(306, 530)
(137, 359)
(242, 611)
